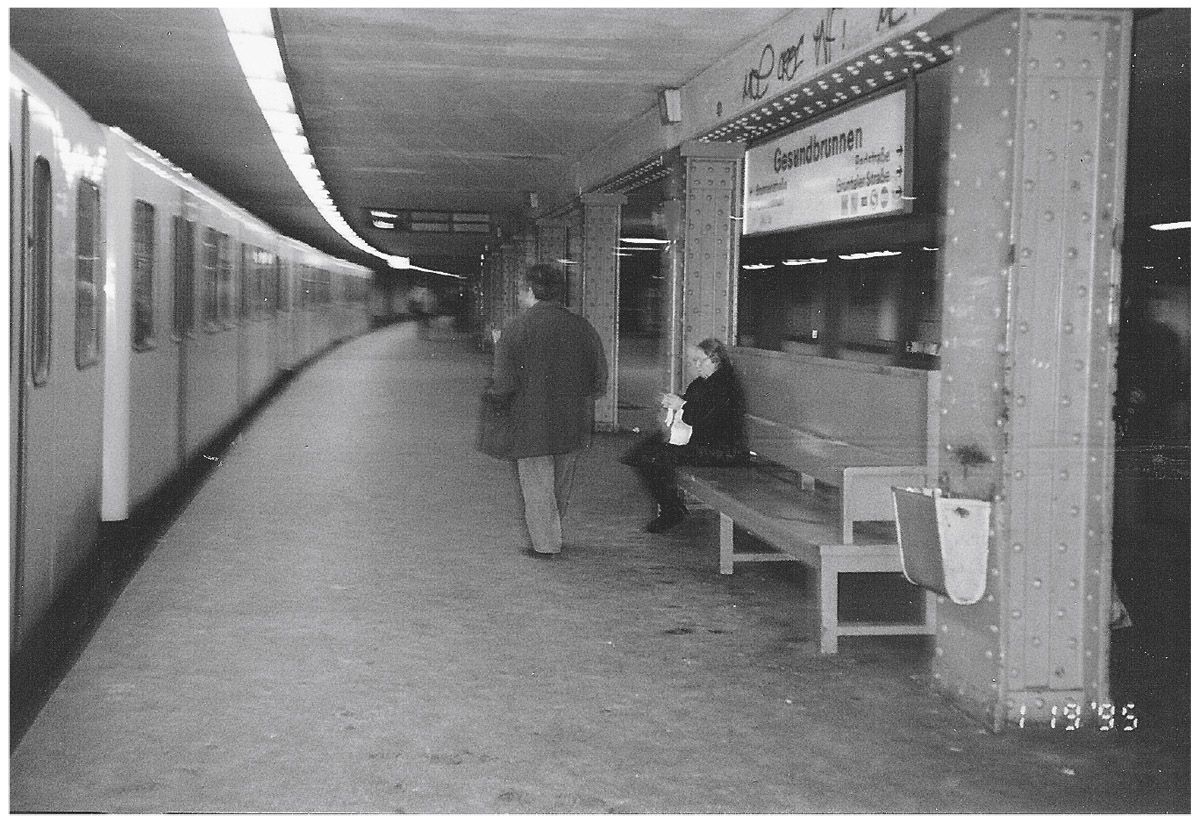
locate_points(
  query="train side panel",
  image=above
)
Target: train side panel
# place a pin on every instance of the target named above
(211, 348)
(287, 357)
(142, 391)
(258, 310)
(59, 169)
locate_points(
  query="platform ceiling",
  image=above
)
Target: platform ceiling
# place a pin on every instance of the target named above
(417, 108)
(433, 108)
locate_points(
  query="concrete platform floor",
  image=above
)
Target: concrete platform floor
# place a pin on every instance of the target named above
(342, 621)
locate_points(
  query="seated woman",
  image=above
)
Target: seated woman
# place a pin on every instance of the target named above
(714, 407)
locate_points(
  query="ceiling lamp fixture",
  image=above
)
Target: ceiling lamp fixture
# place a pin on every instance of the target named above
(252, 35)
(649, 241)
(1186, 224)
(411, 267)
(807, 261)
(867, 255)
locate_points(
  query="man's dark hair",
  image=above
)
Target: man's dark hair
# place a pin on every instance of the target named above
(545, 281)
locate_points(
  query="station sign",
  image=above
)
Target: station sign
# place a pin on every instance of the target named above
(851, 165)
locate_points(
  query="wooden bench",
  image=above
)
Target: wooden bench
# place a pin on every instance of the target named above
(849, 432)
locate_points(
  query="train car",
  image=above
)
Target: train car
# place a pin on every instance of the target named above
(149, 314)
(58, 173)
(196, 306)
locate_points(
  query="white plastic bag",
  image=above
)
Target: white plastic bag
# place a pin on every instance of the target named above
(680, 432)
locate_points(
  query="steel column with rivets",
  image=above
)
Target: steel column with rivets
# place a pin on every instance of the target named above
(1035, 177)
(601, 231)
(671, 308)
(574, 252)
(712, 191)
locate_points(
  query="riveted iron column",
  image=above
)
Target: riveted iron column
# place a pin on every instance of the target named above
(1034, 190)
(601, 229)
(574, 253)
(671, 308)
(712, 186)
(516, 255)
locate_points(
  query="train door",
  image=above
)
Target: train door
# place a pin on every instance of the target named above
(282, 319)
(17, 212)
(184, 314)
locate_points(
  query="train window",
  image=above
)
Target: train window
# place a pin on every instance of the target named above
(143, 275)
(185, 276)
(225, 279)
(247, 308)
(41, 267)
(210, 278)
(88, 275)
(858, 303)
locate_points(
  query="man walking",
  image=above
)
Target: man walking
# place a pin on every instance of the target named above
(550, 365)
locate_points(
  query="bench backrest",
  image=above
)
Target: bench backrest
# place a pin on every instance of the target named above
(854, 413)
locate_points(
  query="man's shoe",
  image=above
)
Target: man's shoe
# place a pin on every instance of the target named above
(532, 552)
(668, 519)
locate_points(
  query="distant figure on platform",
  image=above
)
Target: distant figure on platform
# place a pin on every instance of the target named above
(422, 302)
(551, 364)
(714, 409)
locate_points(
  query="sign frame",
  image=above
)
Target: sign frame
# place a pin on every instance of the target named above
(908, 90)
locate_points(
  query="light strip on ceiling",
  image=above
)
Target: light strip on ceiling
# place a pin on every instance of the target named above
(252, 35)
(1185, 224)
(867, 255)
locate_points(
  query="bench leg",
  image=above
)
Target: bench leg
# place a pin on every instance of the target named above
(828, 605)
(931, 612)
(726, 544)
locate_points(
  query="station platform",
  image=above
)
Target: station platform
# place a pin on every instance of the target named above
(342, 620)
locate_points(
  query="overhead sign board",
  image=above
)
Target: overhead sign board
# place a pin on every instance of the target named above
(852, 165)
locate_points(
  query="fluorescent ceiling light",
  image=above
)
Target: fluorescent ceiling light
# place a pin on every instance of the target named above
(386, 215)
(757, 266)
(808, 261)
(650, 241)
(408, 265)
(1185, 224)
(866, 255)
(252, 34)
(383, 224)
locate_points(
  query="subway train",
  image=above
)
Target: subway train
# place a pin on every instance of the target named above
(147, 315)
